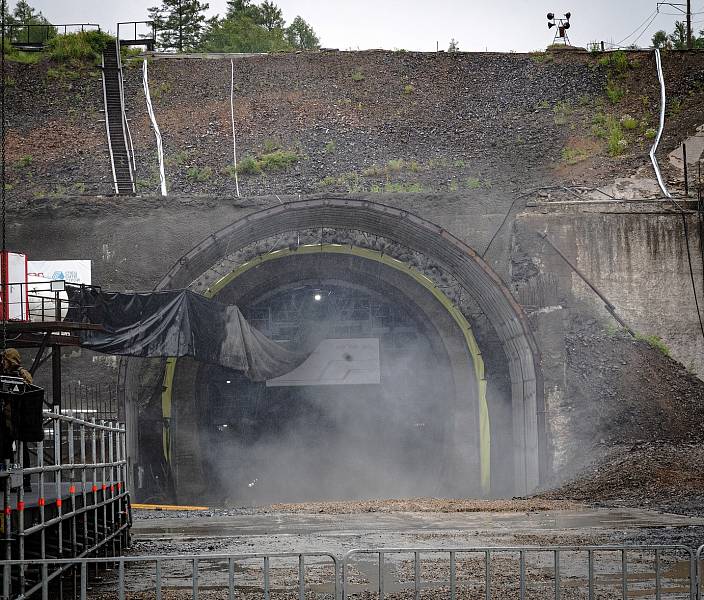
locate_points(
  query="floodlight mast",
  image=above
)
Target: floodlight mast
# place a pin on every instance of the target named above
(562, 24)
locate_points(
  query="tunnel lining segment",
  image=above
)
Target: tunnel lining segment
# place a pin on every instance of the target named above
(453, 255)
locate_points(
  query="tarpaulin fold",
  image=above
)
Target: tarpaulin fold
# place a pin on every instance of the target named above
(176, 324)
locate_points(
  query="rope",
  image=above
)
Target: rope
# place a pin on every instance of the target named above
(232, 114)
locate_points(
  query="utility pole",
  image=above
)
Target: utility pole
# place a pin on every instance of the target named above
(688, 13)
(180, 25)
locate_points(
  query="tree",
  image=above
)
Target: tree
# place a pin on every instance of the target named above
(454, 46)
(271, 16)
(660, 39)
(243, 8)
(301, 35)
(242, 34)
(24, 14)
(679, 36)
(179, 23)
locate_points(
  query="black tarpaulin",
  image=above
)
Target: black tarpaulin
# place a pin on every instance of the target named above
(178, 323)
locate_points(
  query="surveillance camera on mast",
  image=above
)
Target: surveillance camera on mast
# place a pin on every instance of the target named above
(562, 24)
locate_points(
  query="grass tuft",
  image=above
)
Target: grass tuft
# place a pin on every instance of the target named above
(655, 342)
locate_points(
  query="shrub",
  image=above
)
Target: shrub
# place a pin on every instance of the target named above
(277, 161)
(572, 156)
(473, 183)
(271, 146)
(616, 62)
(357, 75)
(675, 107)
(330, 147)
(248, 166)
(24, 161)
(614, 92)
(156, 91)
(408, 89)
(629, 123)
(617, 144)
(650, 133)
(84, 46)
(199, 174)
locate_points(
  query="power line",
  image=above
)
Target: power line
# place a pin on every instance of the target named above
(645, 30)
(637, 29)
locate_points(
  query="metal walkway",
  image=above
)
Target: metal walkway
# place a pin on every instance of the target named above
(117, 128)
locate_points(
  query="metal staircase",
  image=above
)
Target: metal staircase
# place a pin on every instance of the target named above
(117, 128)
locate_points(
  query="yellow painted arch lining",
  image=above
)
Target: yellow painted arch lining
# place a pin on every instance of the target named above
(459, 318)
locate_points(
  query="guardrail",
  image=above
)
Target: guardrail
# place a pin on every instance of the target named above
(251, 571)
(39, 301)
(143, 33)
(36, 35)
(529, 572)
(82, 464)
(658, 572)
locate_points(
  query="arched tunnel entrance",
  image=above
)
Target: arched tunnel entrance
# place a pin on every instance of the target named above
(422, 377)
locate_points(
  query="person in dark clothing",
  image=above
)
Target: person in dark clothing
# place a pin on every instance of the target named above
(12, 366)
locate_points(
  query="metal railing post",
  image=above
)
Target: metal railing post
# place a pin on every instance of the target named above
(20, 515)
(58, 463)
(84, 495)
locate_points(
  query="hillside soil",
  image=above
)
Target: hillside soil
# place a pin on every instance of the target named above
(351, 122)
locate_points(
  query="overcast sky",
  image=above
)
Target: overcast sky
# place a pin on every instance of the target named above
(499, 25)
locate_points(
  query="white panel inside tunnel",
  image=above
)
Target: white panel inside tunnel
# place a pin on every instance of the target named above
(337, 362)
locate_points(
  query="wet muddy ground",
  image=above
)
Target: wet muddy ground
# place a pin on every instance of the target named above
(246, 531)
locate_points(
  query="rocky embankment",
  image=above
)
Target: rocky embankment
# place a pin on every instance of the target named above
(377, 121)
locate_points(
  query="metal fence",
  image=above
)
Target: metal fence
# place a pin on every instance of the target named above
(525, 573)
(83, 401)
(78, 504)
(37, 35)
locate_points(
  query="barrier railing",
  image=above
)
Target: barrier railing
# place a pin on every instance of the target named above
(248, 571)
(525, 572)
(603, 572)
(37, 35)
(137, 33)
(40, 301)
(79, 507)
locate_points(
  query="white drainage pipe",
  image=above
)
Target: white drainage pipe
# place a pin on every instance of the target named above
(157, 133)
(653, 150)
(232, 114)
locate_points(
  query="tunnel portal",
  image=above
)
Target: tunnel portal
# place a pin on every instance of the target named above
(439, 397)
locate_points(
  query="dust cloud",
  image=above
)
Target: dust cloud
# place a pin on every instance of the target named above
(286, 444)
